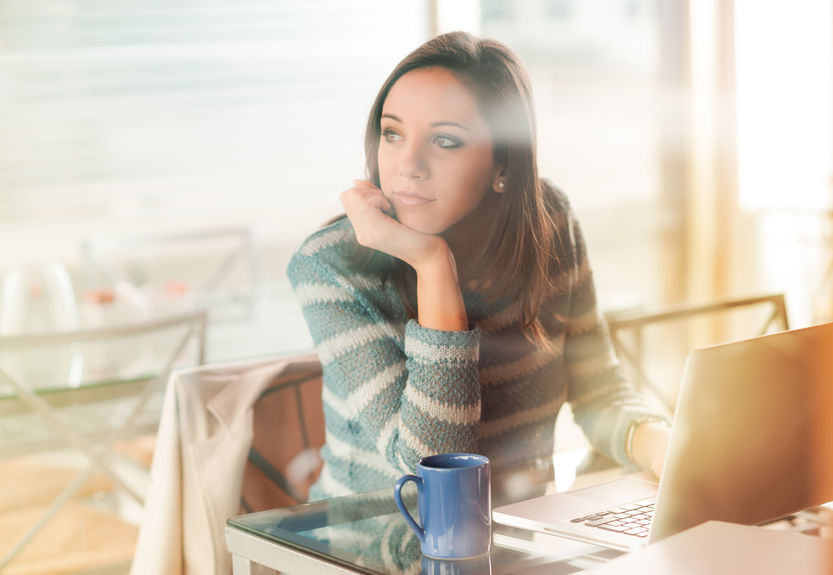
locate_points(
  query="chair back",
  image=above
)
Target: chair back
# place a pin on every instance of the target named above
(213, 268)
(117, 386)
(234, 437)
(288, 432)
(653, 344)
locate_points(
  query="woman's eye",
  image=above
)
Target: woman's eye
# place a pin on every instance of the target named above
(446, 141)
(390, 135)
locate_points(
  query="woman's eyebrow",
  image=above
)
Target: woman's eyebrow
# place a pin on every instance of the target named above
(396, 118)
(448, 123)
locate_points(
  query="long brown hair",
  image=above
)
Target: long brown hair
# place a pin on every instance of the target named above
(523, 244)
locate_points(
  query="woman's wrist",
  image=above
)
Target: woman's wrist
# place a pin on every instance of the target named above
(439, 297)
(646, 443)
(434, 259)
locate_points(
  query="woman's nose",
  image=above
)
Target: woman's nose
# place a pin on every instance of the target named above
(412, 163)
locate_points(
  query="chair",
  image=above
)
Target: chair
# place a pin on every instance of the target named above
(93, 416)
(674, 330)
(216, 267)
(234, 438)
(40, 298)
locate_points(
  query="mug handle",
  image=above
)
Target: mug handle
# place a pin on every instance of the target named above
(397, 496)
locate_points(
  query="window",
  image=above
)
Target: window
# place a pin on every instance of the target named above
(178, 114)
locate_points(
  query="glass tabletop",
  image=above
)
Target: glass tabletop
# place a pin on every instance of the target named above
(367, 534)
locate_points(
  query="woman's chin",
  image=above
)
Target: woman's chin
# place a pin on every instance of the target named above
(420, 225)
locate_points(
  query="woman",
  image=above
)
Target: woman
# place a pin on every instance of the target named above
(453, 308)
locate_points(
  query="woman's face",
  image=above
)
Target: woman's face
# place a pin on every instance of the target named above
(435, 151)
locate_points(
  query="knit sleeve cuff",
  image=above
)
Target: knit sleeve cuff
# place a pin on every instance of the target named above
(433, 345)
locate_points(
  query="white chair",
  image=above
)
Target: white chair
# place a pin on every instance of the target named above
(91, 417)
(217, 267)
(234, 438)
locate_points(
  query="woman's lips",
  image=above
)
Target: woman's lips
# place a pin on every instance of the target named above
(409, 199)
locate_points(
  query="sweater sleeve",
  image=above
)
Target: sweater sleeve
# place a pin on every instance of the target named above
(394, 396)
(604, 404)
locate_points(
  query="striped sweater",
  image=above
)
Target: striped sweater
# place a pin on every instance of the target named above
(395, 391)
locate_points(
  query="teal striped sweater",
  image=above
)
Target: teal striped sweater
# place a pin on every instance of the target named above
(395, 391)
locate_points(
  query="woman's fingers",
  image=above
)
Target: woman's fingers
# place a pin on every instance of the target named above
(366, 206)
(379, 202)
(365, 191)
(369, 212)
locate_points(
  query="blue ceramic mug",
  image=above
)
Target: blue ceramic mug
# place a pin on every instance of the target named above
(455, 505)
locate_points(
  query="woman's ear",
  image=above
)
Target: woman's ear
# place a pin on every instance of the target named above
(499, 182)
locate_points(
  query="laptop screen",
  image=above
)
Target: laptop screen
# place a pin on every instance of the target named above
(745, 443)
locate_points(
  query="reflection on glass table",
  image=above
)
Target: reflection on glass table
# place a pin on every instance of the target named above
(365, 533)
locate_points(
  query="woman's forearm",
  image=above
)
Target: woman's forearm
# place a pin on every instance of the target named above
(439, 298)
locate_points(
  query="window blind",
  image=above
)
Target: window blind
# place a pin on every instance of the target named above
(158, 108)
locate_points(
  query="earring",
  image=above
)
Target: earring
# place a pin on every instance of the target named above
(501, 184)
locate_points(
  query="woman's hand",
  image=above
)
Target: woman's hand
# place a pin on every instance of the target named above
(370, 213)
(439, 298)
(649, 446)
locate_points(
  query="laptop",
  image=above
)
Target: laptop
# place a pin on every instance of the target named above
(744, 448)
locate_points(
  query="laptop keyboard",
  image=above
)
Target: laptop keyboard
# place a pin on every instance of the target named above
(631, 519)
